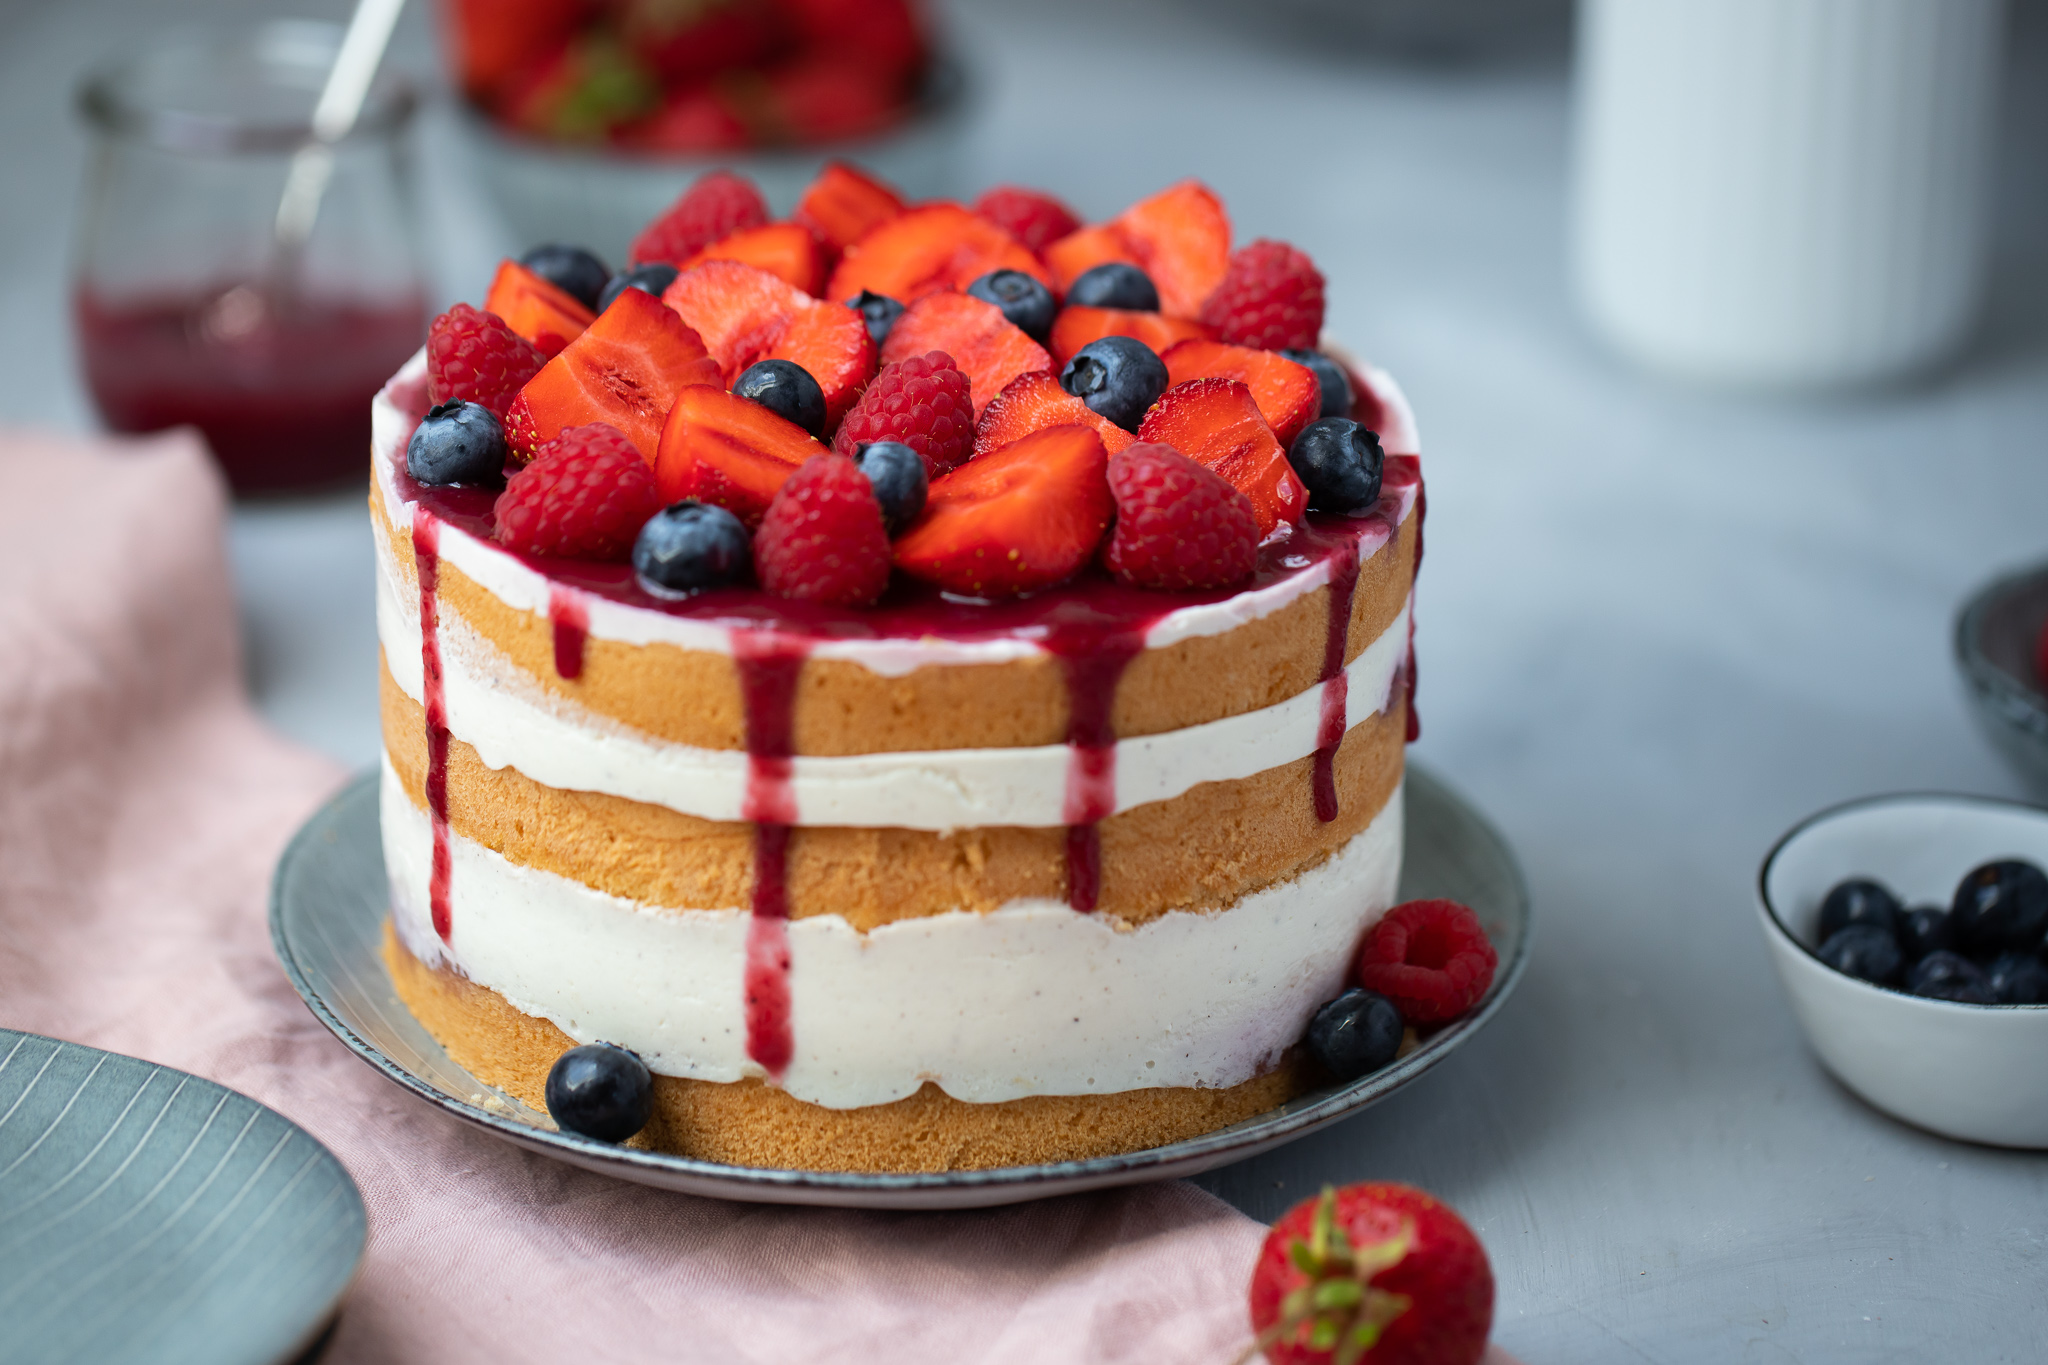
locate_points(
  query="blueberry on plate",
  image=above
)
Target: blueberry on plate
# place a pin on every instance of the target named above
(600, 1091)
(1356, 1034)
(1340, 463)
(1117, 377)
(1867, 952)
(898, 475)
(1925, 929)
(1943, 975)
(652, 277)
(2018, 979)
(457, 442)
(879, 311)
(1115, 285)
(1025, 301)
(786, 389)
(1999, 906)
(690, 545)
(1858, 900)
(1330, 376)
(570, 268)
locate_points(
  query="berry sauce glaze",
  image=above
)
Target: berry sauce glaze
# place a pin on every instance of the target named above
(1092, 625)
(426, 554)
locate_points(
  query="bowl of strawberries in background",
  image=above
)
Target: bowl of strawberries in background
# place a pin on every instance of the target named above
(589, 116)
(1999, 648)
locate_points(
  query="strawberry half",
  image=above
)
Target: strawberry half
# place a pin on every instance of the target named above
(544, 313)
(844, 205)
(1372, 1274)
(785, 250)
(938, 246)
(1032, 402)
(1180, 237)
(984, 344)
(1216, 422)
(1016, 519)
(625, 370)
(1075, 327)
(720, 448)
(832, 342)
(746, 314)
(1287, 393)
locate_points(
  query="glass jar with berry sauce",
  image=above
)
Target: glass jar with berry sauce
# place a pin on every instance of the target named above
(194, 304)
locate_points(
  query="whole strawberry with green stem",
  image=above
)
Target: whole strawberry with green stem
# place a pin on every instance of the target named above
(1371, 1274)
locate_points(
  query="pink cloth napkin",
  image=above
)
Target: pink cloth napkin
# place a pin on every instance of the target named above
(142, 806)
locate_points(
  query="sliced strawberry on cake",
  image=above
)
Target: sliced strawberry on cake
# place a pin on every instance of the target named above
(845, 204)
(1180, 237)
(1075, 327)
(625, 370)
(831, 341)
(984, 344)
(746, 314)
(1014, 520)
(937, 246)
(1032, 402)
(1216, 422)
(543, 312)
(722, 449)
(785, 250)
(1288, 394)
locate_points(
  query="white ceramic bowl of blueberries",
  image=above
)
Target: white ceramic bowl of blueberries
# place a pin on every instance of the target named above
(1911, 933)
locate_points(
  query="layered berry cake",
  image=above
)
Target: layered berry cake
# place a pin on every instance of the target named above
(897, 688)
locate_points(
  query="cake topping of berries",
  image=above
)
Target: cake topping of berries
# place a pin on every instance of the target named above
(571, 269)
(585, 495)
(1118, 377)
(845, 204)
(714, 208)
(1013, 520)
(1031, 216)
(878, 311)
(1178, 525)
(1025, 301)
(1217, 422)
(1336, 384)
(1114, 284)
(457, 442)
(1354, 1035)
(1431, 958)
(1371, 1274)
(786, 389)
(985, 345)
(474, 356)
(649, 277)
(1340, 463)
(901, 485)
(1271, 297)
(690, 545)
(541, 311)
(600, 1091)
(925, 402)
(822, 539)
(719, 448)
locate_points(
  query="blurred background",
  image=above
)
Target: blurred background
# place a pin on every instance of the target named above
(1717, 439)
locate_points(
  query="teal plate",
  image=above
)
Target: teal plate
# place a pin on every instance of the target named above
(148, 1215)
(327, 910)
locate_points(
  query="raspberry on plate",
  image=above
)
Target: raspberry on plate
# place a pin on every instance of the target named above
(822, 538)
(1431, 958)
(585, 495)
(1178, 525)
(474, 356)
(924, 401)
(1372, 1274)
(1271, 297)
(1033, 217)
(714, 208)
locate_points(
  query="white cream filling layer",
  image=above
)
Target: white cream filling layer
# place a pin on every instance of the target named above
(1030, 999)
(513, 722)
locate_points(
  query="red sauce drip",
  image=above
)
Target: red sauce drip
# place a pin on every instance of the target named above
(768, 665)
(571, 620)
(1330, 727)
(1093, 650)
(426, 555)
(1409, 470)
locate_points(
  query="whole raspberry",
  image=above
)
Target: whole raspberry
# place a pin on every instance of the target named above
(1034, 218)
(822, 540)
(1271, 297)
(714, 208)
(474, 356)
(1178, 524)
(923, 401)
(1430, 958)
(586, 495)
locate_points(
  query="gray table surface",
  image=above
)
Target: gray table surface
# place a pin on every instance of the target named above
(1657, 626)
